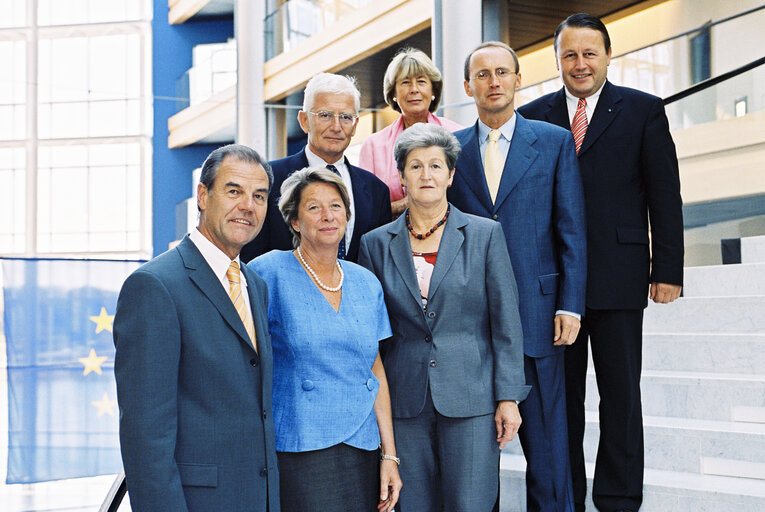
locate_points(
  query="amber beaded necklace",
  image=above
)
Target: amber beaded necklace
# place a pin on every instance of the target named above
(431, 230)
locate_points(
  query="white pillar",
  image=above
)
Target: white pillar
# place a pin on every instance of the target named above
(451, 44)
(250, 111)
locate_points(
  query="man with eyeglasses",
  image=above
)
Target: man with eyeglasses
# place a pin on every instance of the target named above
(524, 174)
(329, 117)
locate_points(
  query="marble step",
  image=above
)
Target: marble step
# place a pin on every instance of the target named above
(695, 395)
(692, 446)
(707, 315)
(724, 280)
(663, 491)
(726, 353)
(753, 249)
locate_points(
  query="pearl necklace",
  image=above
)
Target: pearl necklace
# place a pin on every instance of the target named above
(316, 278)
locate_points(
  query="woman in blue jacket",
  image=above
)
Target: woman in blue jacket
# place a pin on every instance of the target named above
(330, 397)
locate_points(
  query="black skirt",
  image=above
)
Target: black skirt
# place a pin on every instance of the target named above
(340, 478)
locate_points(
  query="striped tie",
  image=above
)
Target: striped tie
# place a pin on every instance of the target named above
(341, 246)
(579, 124)
(235, 294)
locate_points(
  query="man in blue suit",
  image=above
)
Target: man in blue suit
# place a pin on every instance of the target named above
(194, 362)
(524, 174)
(630, 173)
(329, 117)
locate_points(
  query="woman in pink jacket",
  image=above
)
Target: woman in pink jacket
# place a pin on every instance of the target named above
(412, 86)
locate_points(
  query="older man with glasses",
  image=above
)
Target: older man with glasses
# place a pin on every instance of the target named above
(329, 117)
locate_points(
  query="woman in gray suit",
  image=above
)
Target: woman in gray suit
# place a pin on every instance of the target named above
(455, 361)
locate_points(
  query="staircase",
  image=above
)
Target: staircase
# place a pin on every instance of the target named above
(703, 398)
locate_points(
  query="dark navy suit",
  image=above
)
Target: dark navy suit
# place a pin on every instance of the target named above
(629, 171)
(371, 202)
(196, 429)
(540, 206)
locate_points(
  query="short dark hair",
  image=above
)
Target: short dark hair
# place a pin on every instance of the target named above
(238, 152)
(490, 44)
(583, 20)
(426, 135)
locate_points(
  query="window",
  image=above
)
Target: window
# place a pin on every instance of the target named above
(75, 128)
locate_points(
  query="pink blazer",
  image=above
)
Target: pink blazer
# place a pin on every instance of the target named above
(376, 154)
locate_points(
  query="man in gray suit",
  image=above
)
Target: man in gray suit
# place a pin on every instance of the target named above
(193, 362)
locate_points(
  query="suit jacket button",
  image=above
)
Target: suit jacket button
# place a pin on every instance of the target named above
(253, 362)
(264, 472)
(370, 384)
(432, 363)
(265, 414)
(431, 314)
(428, 338)
(308, 385)
(495, 216)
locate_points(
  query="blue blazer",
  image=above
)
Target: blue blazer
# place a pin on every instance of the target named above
(371, 201)
(468, 347)
(324, 388)
(540, 205)
(195, 398)
(629, 169)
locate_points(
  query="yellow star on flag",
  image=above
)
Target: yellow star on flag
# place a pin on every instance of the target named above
(105, 405)
(92, 363)
(103, 321)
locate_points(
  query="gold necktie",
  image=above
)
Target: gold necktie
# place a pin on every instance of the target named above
(235, 294)
(493, 164)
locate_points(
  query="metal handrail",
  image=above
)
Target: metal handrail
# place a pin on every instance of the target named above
(710, 82)
(115, 495)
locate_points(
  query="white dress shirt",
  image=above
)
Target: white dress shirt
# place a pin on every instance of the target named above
(218, 261)
(345, 175)
(572, 101)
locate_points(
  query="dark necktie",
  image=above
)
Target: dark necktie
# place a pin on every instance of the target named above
(341, 247)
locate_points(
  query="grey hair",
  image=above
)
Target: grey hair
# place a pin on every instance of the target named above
(238, 152)
(333, 84)
(411, 62)
(292, 190)
(426, 135)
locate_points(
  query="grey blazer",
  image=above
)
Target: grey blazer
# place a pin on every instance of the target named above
(468, 345)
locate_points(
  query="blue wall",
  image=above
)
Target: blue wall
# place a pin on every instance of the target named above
(171, 168)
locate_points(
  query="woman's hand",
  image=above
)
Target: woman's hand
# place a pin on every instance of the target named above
(390, 485)
(508, 421)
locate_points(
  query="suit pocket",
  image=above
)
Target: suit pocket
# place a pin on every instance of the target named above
(548, 283)
(198, 475)
(632, 235)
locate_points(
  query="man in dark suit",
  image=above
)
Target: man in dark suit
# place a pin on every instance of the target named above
(524, 174)
(194, 363)
(329, 117)
(629, 170)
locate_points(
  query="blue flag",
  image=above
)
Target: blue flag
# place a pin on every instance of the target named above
(62, 401)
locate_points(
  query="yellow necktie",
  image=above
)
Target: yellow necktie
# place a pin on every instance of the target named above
(493, 164)
(235, 294)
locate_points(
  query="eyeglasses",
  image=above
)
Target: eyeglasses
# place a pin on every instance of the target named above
(500, 73)
(327, 117)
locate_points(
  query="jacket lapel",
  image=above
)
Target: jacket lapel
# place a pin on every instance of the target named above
(472, 172)
(520, 157)
(609, 105)
(451, 241)
(204, 278)
(557, 112)
(259, 315)
(401, 253)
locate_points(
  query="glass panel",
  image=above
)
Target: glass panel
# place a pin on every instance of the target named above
(70, 12)
(89, 198)
(14, 13)
(12, 200)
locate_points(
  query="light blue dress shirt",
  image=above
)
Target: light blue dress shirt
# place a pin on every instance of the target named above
(324, 389)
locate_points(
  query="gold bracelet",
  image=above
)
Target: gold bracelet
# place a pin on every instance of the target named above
(395, 459)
